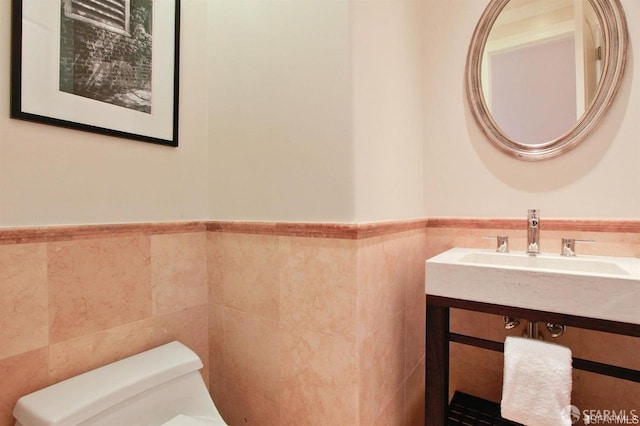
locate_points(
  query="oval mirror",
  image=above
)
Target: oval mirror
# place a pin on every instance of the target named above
(541, 74)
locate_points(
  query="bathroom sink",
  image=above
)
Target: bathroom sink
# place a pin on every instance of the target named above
(591, 286)
(579, 265)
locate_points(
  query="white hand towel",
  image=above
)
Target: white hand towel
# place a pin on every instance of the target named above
(536, 389)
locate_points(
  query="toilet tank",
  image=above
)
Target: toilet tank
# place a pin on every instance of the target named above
(156, 387)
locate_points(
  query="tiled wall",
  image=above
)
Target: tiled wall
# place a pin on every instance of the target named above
(479, 372)
(304, 327)
(317, 330)
(295, 325)
(76, 298)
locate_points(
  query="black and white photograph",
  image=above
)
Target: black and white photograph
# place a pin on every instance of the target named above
(102, 66)
(106, 51)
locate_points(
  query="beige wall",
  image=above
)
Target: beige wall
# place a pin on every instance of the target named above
(50, 175)
(466, 176)
(315, 110)
(387, 69)
(311, 115)
(279, 111)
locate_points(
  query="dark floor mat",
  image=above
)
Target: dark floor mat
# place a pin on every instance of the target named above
(470, 410)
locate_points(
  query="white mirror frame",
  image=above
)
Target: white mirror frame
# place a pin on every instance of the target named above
(615, 38)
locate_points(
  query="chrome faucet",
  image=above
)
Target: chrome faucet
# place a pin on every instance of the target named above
(533, 232)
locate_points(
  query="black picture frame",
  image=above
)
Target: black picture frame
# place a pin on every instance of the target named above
(105, 73)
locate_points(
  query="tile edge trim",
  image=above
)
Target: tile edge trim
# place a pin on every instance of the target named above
(350, 231)
(584, 225)
(38, 234)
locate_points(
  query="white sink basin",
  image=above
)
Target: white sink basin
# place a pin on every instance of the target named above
(591, 286)
(579, 265)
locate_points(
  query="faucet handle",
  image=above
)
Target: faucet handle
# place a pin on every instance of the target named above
(502, 243)
(568, 247)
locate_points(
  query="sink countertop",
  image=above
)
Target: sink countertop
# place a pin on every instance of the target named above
(589, 286)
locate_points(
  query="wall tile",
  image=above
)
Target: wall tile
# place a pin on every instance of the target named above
(250, 265)
(20, 375)
(178, 271)
(415, 252)
(319, 378)
(400, 260)
(249, 407)
(216, 354)
(97, 284)
(319, 283)
(189, 327)
(623, 351)
(390, 276)
(215, 252)
(473, 370)
(604, 243)
(470, 323)
(414, 392)
(24, 320)
(76, 356)
(415, 330)
(251, 353)
(378, 298)
(393, 412)
(318, 289)
(382, 367)
(597, 392)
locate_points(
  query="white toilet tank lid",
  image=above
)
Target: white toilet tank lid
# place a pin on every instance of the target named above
(81, 397)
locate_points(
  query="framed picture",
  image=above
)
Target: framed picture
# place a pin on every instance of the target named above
(102, 66)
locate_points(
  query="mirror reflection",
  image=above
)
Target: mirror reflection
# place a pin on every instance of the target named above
(541, 66)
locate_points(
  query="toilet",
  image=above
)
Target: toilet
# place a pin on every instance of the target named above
(159, 387)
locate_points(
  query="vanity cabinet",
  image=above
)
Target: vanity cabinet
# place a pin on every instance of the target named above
(438, 337)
